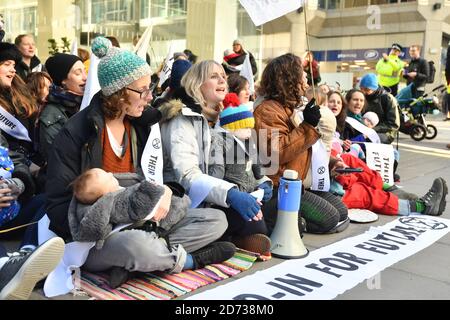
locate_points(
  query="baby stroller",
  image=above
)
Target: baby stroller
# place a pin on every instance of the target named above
(413, 112)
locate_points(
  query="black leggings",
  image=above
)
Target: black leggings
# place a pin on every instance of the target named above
(321, 210)
(238, 227)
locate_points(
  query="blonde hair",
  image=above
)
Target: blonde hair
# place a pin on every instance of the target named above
(83, 190)
(197, 75)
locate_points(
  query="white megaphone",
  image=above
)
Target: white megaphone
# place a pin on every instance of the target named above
(285, 238)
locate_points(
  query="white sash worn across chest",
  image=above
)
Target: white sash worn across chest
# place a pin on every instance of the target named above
(152, 157)
(368, 132)
(319, 167)
(12, 126)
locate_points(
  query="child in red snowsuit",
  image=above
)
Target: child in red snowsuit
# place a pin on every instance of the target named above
(364, 190)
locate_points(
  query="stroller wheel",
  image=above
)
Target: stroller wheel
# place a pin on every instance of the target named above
(418, 132)
(431, 132)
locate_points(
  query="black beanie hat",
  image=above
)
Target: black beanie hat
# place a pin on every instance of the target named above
(59, 66)
(8, 51)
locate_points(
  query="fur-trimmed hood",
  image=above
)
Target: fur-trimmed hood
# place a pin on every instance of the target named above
(174, 107)
(170, 110)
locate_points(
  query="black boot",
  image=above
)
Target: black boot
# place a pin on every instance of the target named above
(216, 252)
(434, 199)
(118, 276)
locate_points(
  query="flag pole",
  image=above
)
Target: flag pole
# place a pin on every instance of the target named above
(309, 49)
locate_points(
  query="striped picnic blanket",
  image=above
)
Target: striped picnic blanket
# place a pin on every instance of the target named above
(162, 286)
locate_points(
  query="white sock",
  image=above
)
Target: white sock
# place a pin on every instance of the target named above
(3, 261)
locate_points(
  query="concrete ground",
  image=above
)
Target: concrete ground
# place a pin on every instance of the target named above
(425, 275)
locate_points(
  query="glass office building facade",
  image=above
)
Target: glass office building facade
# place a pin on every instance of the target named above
(123, 19)
(348, 36)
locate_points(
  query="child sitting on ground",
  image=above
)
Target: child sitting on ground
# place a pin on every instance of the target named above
(237, 123)
(365, 190)
(235, 160)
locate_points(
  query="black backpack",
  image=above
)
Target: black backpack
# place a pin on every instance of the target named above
(432, 72)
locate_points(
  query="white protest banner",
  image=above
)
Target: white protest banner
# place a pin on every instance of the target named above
(247, 73)
(92, 84)
(332, 270)
(380, 157)
(167, 69)
(262, 11)
(144, 42)
(152, 157)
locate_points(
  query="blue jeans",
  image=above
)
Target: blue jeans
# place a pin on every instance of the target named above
(3, 252)
(31, 211)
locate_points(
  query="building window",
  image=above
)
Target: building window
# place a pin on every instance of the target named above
(355, 3)
(329, 4)
(20, 21)
(168, 8)
(382, 1)
(145, 9)
(334, 4)
(177, 8)
(112, 10)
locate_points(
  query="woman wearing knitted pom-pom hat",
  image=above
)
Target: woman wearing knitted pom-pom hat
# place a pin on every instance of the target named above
(111, 134)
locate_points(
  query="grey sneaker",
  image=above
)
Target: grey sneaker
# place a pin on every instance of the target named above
(341, 226)
(434, 199)
(24, 269)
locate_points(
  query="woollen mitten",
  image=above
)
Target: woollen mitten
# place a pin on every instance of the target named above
(312, 115)
(244, 203)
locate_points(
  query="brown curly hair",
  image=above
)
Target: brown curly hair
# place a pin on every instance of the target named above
(112, 105)
(282, 80)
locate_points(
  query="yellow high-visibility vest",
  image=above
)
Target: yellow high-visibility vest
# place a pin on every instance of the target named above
(389, 72)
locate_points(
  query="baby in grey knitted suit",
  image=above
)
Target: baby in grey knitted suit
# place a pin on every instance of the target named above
(100, 204)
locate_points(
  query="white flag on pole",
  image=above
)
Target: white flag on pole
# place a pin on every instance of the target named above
(92, 84)
(167, 70)
(264, 11)
(144, 42)
(74, 48)
(247, 73)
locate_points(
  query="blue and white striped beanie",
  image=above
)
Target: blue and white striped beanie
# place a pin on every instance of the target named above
(118, 68)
